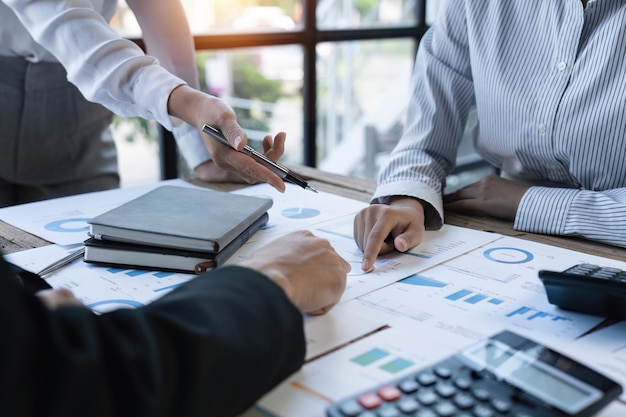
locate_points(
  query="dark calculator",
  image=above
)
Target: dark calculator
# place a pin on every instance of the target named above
(588, 288)
(504, 375)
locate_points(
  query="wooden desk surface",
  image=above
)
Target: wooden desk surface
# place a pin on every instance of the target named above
(13, 239)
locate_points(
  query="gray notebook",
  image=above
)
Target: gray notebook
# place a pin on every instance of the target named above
(181, 217)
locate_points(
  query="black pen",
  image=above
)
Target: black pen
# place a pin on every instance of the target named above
(275, 167)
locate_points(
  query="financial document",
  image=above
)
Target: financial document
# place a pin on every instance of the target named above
(435, 312)
(459, 286)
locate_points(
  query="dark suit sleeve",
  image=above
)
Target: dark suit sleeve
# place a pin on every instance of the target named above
(212, 347)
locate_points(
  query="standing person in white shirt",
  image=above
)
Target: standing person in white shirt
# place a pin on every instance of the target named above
(547, 80)
(59, 58)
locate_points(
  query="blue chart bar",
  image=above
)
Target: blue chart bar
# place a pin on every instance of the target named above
(532, 314)
(370, 356)
(472, 299)
(137, 272)
(169, 287)
(396, 365)
(476, 299)
(421, 281)
(458, 295)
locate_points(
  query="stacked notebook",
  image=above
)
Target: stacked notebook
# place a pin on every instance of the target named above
(177, 229)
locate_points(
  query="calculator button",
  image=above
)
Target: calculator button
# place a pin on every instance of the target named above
(426, 413)
(443, 372)
(621, 276)
(480, 394)
(389, 393)
(408, 386)
(369, 400)
(426, 379)
(502, 406)
(602, 274)
(464, 400)
(582, 269)
(445, 409)
(350, 408)
(426, 397)
(408, 405)
(445, 390)
(462, 383)
(483, 411)
(389, 412)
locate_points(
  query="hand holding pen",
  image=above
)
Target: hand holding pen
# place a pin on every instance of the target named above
(276, 168)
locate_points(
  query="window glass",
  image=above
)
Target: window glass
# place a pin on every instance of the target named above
(341, 14)
(225, 16)
(363, 92)
(362, 88)
(264, 87)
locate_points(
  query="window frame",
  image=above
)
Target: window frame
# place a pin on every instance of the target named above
(308, 38)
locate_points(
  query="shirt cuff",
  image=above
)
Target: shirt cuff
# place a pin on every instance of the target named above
(152, 91)
(431, 199)
(190, 145)
(544, 210)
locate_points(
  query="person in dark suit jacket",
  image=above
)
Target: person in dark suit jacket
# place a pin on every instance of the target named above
(211, 347)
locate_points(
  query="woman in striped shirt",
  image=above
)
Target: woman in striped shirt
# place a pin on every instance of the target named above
(548, 83)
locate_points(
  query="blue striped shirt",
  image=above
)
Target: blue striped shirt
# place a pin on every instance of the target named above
(547, 80)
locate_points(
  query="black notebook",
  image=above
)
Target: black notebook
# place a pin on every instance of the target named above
(130, 255)
(180, 218)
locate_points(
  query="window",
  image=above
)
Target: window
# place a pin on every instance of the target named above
(333, 74)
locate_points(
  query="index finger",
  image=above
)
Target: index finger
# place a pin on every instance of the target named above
(376, 242)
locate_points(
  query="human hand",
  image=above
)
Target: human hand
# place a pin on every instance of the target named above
(58, 297)
(210, 172)
(306, 267)
(198, 108)
(381, 228)
(491, 195)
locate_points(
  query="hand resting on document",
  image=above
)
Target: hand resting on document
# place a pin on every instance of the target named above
(306, 267)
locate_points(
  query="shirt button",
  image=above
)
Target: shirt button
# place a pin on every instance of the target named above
(561, 66)
(541, 127)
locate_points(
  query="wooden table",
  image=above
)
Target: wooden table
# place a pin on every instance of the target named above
(13, 239)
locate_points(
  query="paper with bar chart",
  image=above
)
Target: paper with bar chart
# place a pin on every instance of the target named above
(437, 247)
(444, 308)
(100, 288)
(492, 286)
(385, 355)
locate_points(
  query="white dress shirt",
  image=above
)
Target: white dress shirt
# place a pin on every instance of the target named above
(548, 82)
(106, 68)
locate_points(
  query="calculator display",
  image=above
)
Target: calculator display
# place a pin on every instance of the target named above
(538, 378)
